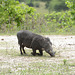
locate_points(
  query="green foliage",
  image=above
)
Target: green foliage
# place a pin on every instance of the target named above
(71, 5)
(64, 61)
(61, 20)
(18, 16)
(11, 10)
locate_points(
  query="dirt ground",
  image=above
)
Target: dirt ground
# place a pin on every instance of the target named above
(63, 45)
(60, 43)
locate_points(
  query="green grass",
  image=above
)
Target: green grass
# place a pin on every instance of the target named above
(42, 68)
(43, 32)
(15, 64)
(12, 63)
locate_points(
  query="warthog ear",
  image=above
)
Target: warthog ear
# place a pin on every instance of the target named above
(48, 39)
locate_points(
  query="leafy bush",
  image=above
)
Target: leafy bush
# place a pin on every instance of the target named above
(61, 19)
(71, 5)
(18, 16)
(13, 11)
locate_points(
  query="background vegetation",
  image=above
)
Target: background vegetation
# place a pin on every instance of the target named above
(55, 17)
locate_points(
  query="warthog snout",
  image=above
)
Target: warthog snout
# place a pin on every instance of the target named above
(52, 54)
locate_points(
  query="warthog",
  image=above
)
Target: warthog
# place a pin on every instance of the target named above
(34, 41)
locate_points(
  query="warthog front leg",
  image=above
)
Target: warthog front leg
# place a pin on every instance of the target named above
(34, 52)
(22, 48)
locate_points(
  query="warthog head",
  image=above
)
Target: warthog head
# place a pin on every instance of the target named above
(48, 47)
